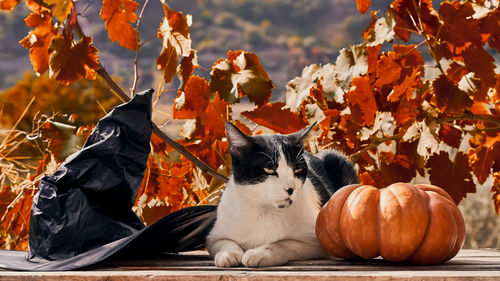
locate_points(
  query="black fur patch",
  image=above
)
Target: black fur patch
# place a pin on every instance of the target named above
(248, 165)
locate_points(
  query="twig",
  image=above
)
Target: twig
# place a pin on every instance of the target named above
(422, 32)
(138, 48)
(124, 97)
(374, 144)
(17, 122)
(472, 117)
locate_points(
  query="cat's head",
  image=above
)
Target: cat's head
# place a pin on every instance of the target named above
(269, 169)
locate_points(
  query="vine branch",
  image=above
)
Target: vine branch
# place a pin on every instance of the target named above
(375, 142)
(156, 130)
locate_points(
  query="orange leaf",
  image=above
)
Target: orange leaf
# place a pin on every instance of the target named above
(490, 27)
(479, 61)
(363, 5)
(186, 68)
(362, 101)
(372, 58)
(274, 117)
(449, 98)
(15, 221)
(367, 178)
(8, 5)
(459, 28)
(167, 62)
(62, 8)
(196, 96)
(408, 12)
(450, 135)
(482, 158)
(39, 39)
(242, 127)
(495, 189)
(214, 118)
(388, 69)
(118, 16)
(241, 74)
(406, 87)
(406, 112)
(174, 31)
(69, 62)
(35, 7)
(455, 72)
(452, 176)
(396, 168)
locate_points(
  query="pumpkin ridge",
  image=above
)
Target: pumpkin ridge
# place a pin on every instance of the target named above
(428, 201)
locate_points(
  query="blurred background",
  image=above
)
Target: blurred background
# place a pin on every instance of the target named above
(287, 35)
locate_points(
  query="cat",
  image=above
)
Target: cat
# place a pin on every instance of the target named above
(267, 212)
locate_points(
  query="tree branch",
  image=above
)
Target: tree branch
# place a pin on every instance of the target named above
(156, 130)
(472, 117)
(139, 46)
(375, 142)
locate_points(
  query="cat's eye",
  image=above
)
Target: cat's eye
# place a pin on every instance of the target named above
(270, 171)
(298, 171)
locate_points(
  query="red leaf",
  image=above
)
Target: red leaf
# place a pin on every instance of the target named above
(450, 135)
(167, 62)
(118, 16)
(373, 55)
(275, 118)
(406, 88)
(449, 98)
(61, 8)
(491, 28)
(186, 68)
(482, 158)
(8, 5)
(455, 72)
(406, 14)
(479, 61)
(15, 220)
(363, 5)
(459, 28)
(175, 33)
(495, 189)
(362, 101)
(242, 127)
(452, 176)
(367, 178)
(396, 168)
(69, 62)
(39, 39)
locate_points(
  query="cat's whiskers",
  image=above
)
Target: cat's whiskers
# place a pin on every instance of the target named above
(300, 156)
(271, 159)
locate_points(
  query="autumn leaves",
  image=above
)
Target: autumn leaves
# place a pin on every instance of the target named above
(426, 109)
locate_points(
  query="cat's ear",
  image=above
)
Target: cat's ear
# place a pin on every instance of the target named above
(303, 134)
(238, 141)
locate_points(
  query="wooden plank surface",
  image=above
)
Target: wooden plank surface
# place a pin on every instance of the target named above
(468, 265)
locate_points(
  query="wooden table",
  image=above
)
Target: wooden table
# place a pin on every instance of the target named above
(468, 265)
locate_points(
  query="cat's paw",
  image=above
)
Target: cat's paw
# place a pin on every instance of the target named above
(258, 257)
(228, 258)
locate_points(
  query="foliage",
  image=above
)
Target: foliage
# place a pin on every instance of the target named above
(399, 117)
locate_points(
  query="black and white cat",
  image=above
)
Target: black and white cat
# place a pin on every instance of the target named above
(267, 213)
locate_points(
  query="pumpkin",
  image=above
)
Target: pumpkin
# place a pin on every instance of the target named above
(419, 224)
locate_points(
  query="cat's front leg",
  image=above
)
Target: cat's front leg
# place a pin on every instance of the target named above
(226, 252)
(281, 252)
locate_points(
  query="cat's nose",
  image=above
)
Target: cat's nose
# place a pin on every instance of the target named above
(289, 191)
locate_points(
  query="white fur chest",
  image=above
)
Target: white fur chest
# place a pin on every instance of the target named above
(251, 224)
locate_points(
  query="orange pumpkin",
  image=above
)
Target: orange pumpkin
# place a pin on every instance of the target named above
(402, 222)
